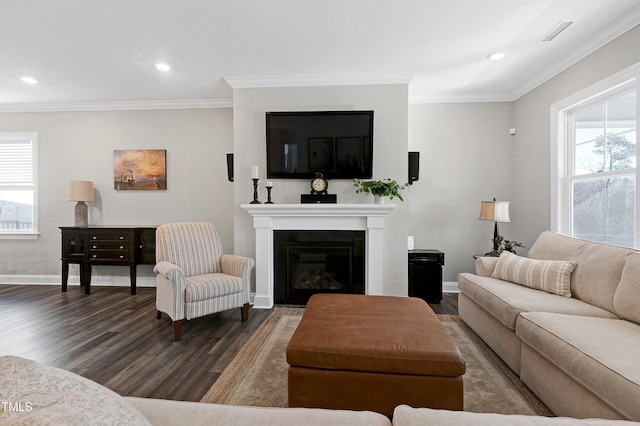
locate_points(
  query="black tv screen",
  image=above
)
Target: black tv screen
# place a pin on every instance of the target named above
(338, 144)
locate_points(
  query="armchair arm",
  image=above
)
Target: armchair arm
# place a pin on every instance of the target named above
(169, 270)
(170, 289)
(241, 267)
(485, 265)
(238, 266)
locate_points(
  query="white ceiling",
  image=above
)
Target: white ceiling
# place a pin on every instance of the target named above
(88, 53)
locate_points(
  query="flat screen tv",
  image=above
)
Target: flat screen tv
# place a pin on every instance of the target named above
(338, 144)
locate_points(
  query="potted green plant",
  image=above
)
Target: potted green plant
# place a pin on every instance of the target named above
(380, 188)
(506, 244)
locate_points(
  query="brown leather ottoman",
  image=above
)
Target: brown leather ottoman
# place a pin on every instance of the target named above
(373, 353)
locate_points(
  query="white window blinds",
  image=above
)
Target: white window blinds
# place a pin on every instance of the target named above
(16, 162)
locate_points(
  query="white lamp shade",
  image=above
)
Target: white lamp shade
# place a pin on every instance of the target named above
(80, 190)
(497, 211)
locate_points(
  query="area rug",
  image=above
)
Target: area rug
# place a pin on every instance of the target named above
(258, 374)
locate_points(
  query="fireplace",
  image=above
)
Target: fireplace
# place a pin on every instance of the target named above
(307, 262)
(269, 218)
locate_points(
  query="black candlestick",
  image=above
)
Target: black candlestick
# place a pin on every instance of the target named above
(269, 188)
(255, 192)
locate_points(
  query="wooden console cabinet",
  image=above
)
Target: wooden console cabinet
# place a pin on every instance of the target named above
(106, 245)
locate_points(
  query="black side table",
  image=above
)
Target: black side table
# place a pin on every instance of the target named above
(425, 274)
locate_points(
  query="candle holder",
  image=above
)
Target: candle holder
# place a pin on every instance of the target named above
(269, 188)
(255, 191)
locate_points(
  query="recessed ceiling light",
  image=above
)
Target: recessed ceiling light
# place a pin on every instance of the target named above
(29, 80)
(495, 56)
(163, 67)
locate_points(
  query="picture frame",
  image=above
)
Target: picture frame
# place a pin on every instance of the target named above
(140, 169)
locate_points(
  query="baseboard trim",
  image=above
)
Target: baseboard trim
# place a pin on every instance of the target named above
(450, 287)
(123, 281)
(100, 281)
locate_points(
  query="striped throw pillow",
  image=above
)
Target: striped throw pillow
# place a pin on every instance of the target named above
(552, 276)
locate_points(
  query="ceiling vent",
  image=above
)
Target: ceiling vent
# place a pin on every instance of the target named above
(556, 30)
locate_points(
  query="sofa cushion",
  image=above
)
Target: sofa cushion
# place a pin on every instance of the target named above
(171, 413)
(409, 416)
(45, 395)
(505, 300)
(598, 270)
(627, 297)
(598, 353)
(210, 286)
(552, 276)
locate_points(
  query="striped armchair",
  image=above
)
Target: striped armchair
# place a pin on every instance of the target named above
(194, 278)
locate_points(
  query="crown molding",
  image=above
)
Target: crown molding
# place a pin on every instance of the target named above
(596, 42)
(118, 106)
(457, 97)
(610, 33)
(319, 80)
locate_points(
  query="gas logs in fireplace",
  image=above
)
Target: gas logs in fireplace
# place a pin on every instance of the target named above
(309, 262)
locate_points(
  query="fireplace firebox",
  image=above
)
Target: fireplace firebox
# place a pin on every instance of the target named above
(307, 262)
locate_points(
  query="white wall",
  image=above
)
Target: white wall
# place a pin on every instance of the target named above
(80, 145)
(465, 157)
(390, 105)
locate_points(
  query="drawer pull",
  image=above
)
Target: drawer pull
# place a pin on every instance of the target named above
(121, 237)
(95, 247)
(121, 257)
(94, 237)
(121, 247)
(95, 255)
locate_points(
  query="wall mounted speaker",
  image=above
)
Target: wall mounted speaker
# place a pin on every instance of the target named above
(414, 167)
(230, 167)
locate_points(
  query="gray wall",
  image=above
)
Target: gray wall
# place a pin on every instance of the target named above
(80, 145)
(465, 157)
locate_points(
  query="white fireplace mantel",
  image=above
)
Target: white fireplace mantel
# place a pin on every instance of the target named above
(269, 217)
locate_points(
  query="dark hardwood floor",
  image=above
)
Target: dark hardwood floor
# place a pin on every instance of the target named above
(114, 338)
(448, 305)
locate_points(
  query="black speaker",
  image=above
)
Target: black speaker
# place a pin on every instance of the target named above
(230, 167)
(414, 166)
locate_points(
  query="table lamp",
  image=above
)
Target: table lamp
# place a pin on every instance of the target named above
(81, 191)
(497, 211)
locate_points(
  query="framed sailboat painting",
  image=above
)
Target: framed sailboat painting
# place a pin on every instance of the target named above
(140, 169)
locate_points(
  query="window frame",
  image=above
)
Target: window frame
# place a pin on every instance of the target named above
(561, 145)
(34, 233)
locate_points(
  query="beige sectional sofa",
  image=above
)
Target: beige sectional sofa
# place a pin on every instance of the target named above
(566, 319)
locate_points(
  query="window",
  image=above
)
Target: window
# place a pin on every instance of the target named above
(595, 185)
(18, 188)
